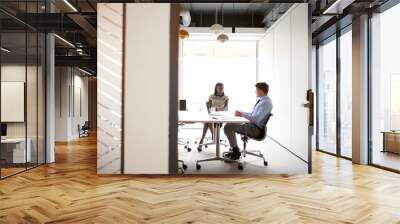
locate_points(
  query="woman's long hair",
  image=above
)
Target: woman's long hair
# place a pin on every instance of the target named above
(215, 89)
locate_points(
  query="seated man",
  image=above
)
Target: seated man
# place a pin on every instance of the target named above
(257, 117)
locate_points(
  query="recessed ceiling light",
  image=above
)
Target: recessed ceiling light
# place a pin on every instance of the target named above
(70, 5)
(5, 50)
(64, 40)
(84, 71)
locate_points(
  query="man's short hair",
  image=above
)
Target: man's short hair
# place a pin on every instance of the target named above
(263, 87)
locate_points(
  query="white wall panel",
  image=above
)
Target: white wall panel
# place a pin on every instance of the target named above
(280, 90)
(301, 79)
(284, 65)
(146, 128)
(12, 101)
(71, 102)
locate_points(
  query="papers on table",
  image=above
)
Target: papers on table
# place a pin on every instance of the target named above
(215, 117)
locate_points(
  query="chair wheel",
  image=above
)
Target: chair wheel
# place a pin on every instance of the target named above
(265, 163)
(198, 166)
(199, 149)
(189, 149)
(184, 166)
(185, 147)
(206, 146)
(240, 166)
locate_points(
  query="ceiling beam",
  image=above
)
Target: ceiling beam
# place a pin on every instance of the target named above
(82, 61)
(86, 27)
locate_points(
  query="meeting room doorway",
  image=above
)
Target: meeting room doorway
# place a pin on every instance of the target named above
(249, 55)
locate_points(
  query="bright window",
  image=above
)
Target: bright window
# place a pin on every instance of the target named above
(205, 63)
(346, 94)
(385, 87)
(327, 97)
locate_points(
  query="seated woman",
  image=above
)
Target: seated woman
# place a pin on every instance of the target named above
(217, 101)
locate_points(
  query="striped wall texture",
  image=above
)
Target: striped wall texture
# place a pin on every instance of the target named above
(109, 87)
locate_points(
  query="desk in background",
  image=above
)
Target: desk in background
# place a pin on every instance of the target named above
(13, 150)
(391, 141)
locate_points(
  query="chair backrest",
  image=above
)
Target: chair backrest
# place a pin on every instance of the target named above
(263, 133)
(267, 119)
(182, 105)
(86, 125)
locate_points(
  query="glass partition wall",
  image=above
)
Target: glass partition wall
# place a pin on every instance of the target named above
(22, 77)
(385, 89)
(334, 94)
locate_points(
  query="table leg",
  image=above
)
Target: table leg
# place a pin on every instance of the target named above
(217, 134)
(217, 139)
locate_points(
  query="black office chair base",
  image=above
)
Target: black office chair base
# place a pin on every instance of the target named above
(188, 148)
(181, 170)
(185, 142)
(227, 160)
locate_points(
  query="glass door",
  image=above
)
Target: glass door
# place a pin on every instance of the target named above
(326, 96)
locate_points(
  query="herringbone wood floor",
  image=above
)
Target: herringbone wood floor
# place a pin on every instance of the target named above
(69, 191)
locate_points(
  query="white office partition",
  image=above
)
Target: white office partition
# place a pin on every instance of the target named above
(109, 87)
(301, 79)
(147, 88)
(284, 64)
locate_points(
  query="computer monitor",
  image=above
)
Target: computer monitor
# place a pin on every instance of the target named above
(3, 129)
(182, 105)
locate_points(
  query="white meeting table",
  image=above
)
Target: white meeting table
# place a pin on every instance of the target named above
(189, 117)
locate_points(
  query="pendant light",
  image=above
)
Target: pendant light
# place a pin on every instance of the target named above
(222, 38)
(216, 28)
(185, 20)
(183, 34)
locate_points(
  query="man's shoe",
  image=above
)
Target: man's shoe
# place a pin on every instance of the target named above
(233, 154)
(227, 154)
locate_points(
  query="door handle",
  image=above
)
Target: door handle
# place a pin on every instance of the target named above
(306, 105)
(310, 106)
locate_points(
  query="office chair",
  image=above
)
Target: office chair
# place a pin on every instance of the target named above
(209, 140)
(181, 170)
(261, 137)
(84, 129)
(183, 141)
